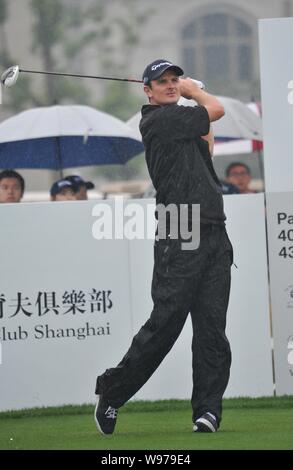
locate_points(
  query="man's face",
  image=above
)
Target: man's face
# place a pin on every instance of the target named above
(81, 194)
(240, 177)
(164, 90)
(10, 190)
(66, 194)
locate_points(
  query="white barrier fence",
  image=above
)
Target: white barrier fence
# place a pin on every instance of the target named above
(70, 304)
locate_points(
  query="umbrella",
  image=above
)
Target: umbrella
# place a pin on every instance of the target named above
(240, 146)
(58, 137)
(239, 121)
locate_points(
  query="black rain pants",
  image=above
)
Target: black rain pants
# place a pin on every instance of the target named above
(195, 282)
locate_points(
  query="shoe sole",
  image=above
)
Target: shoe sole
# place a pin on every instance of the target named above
(203, 425)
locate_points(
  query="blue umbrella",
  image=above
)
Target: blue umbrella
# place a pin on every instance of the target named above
(59, 137)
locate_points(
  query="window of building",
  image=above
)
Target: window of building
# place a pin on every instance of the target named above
(218, 47)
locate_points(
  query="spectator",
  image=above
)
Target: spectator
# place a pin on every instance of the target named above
(63, 190)
(239, 175)
(11, 186)
(81, 185)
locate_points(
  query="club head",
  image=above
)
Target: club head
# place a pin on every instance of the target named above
(10, 76)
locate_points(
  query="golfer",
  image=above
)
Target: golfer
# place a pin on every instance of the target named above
(179, 142)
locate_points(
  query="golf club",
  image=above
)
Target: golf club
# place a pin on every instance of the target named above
(10, 76)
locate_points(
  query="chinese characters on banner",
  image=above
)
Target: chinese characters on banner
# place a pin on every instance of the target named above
(44, 303)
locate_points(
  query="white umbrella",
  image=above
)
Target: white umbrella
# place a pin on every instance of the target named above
(58, 137)
(240, 146)
(239, 121)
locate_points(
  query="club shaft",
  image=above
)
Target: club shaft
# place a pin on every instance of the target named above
(81, 76)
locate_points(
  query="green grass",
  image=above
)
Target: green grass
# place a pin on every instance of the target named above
(248, 424)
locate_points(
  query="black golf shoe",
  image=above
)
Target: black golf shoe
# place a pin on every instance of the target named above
(105, 416)
(206, 423)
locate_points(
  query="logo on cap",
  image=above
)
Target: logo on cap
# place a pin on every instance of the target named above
(156, 66)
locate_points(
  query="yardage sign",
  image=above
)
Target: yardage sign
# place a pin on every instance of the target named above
(276, 38)
(280, 242)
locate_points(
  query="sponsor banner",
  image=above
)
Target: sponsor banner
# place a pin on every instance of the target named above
(64, 304)
(75, 288)
(280, 244)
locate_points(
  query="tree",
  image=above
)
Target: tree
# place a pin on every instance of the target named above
(49, 36)
(119, 99)
(62, 33)
(15, 99)
(4, 53)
